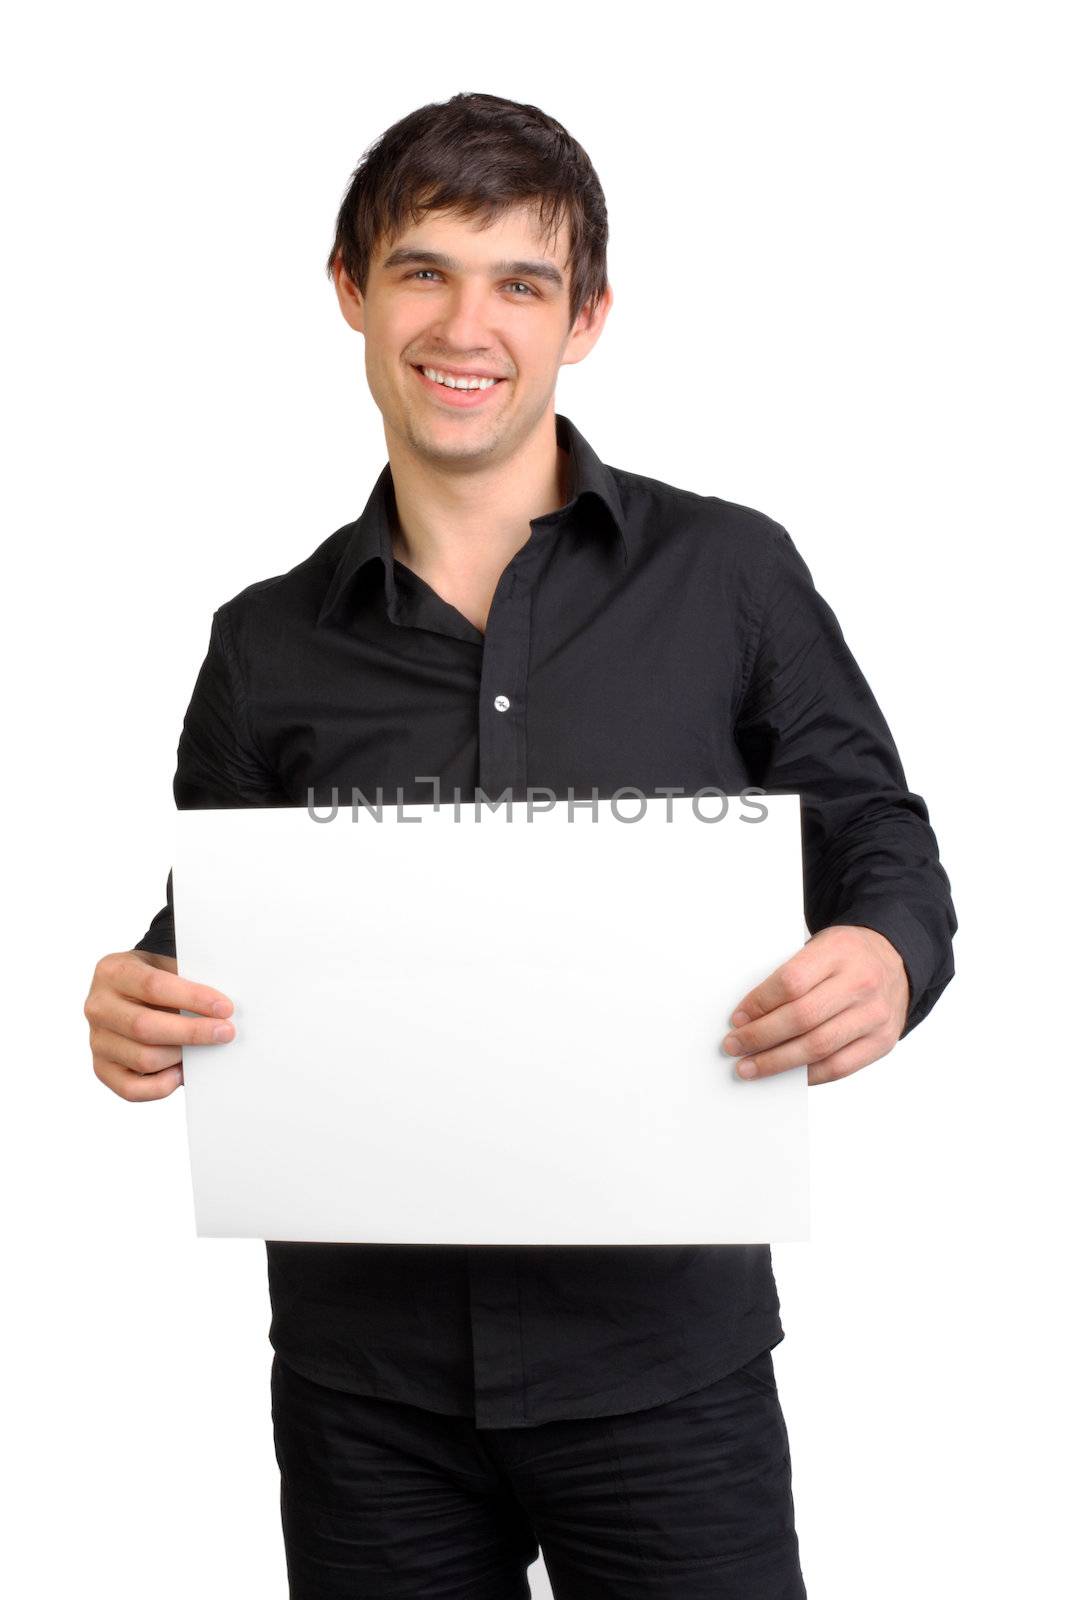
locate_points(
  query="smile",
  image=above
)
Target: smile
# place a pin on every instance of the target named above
(454, 391)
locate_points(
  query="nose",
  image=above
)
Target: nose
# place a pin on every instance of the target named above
(463, 323)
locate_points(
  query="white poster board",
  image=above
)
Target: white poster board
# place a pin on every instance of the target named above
(457, 1026)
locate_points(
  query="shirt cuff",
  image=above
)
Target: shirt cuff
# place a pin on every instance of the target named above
(158, 940)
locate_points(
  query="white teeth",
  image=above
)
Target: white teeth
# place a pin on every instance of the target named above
(457, 383)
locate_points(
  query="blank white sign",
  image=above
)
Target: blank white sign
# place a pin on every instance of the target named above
(459, 1027)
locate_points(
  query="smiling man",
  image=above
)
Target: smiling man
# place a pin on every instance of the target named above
(466, 324)
(509, 611)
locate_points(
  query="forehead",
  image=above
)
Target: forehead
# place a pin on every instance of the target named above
(479, 244)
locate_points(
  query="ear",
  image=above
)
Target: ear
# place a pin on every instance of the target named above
(587, 329)
(348, 297)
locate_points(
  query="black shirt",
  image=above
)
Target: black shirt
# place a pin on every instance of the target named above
(644, 636)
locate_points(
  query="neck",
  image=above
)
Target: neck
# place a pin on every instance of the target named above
(461, 522)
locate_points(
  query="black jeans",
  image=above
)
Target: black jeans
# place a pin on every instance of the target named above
(692, 1498)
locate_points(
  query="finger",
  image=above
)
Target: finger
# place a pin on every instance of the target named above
(843, 1062)
(793, 979)
(789, 1021)
(128, 1053)
(155, 986)
(145, 1025)
(814, 1046)
(137, 1085)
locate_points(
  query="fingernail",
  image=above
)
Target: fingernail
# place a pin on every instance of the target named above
(746, 1069)
(739, 1019)
(223, 1031)
(221, 1008)
(732, 1044)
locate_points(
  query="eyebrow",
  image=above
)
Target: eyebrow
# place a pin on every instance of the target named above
(408, 256)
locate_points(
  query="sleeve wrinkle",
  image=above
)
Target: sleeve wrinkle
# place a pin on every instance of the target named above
(238, 689)
(808, 723)
(220, 764)
(756, 627)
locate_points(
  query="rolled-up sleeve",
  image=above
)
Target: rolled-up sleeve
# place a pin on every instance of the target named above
(808, 723)
(218, 763)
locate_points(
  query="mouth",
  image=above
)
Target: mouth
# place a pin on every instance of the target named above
(459, 399)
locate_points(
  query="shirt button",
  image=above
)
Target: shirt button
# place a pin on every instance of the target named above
(502, 702)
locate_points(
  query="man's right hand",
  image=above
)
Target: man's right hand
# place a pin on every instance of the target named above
(135, 1028)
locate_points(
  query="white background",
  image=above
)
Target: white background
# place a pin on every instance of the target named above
(838, 283)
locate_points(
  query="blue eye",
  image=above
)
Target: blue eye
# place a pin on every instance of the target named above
(515, 283)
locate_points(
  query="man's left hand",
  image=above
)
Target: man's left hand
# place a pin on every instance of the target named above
(838, 1004)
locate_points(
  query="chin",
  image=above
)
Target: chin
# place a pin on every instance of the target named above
(455, 447)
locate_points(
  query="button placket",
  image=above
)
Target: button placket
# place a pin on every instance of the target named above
(502, 712)
(496, 1316)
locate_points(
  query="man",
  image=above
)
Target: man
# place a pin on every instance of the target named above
(507, 612)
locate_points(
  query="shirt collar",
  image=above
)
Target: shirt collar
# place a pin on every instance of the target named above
(369, 535)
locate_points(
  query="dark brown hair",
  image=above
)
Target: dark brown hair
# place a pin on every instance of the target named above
(476, 155)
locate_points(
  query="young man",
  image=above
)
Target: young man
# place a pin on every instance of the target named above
(508, 611)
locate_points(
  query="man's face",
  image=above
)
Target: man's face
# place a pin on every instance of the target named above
(448, 296)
